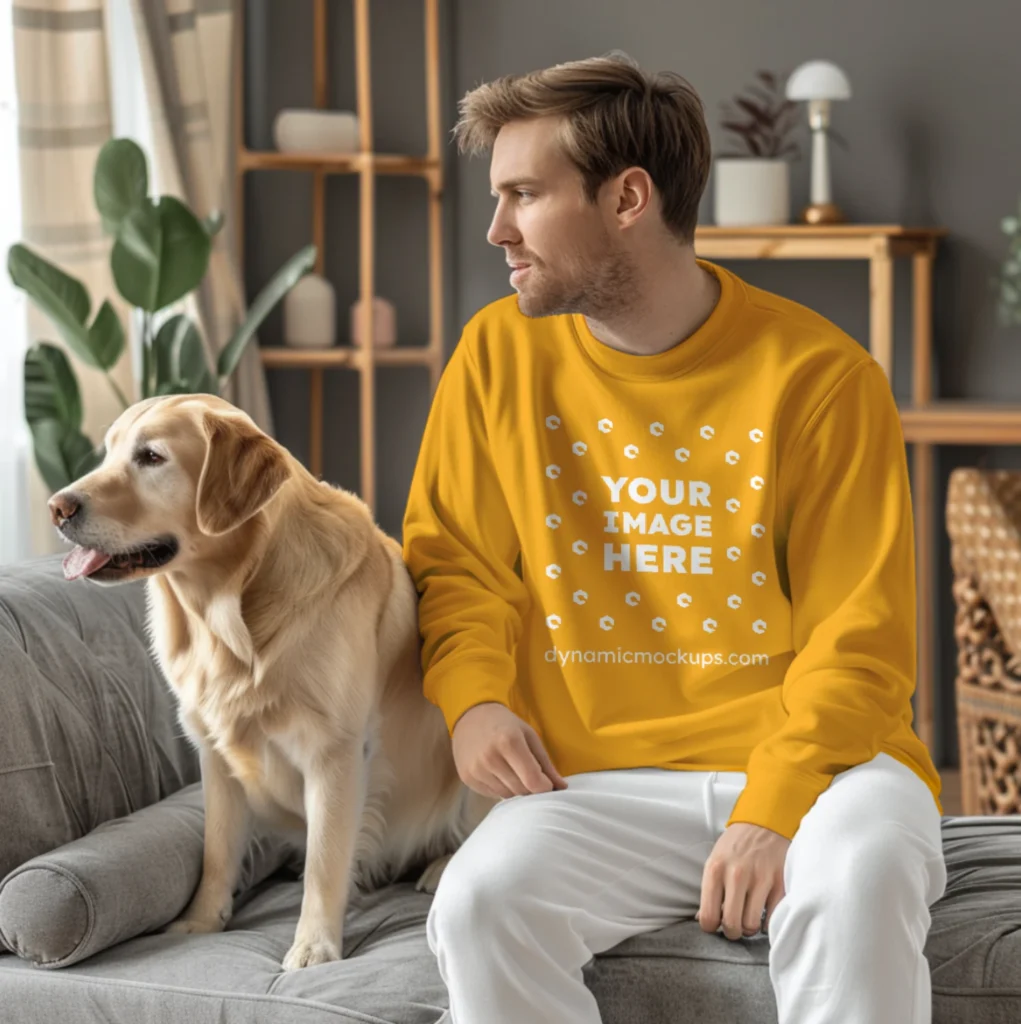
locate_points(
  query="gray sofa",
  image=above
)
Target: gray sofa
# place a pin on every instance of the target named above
(100, 841)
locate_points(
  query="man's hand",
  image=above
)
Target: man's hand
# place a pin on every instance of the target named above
(499, 755)
(742, 877)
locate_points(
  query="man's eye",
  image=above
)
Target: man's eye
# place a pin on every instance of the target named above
(149, 457)
(522, 194)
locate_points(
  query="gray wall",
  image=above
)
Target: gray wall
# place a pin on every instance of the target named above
(932, 140)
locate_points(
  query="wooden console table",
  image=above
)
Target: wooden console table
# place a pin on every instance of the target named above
(926, 423)
(880, 244)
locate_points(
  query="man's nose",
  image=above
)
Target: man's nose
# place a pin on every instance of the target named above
(64, 505)
(502, 231)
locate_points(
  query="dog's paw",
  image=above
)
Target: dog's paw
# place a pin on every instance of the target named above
(310, 953)
(429, 880)
(194, 926)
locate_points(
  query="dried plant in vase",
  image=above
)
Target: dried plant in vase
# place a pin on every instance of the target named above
(1008, 279)
(762, 120)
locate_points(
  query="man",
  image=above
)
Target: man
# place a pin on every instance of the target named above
(661, 531)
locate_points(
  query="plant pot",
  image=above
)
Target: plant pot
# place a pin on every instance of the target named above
(310, 313)
(384, 324)
(751, 190)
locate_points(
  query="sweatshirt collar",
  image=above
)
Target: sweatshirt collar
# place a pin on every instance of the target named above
(680, 358)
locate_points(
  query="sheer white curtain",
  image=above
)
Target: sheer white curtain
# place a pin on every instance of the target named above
(15, 453)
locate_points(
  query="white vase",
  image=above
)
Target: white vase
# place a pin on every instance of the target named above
(310, 313)
(751, 190)
(316, 131)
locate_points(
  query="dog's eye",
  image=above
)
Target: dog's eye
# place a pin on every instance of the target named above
(149, 457)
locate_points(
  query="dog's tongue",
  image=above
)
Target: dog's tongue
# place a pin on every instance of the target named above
(83, 562)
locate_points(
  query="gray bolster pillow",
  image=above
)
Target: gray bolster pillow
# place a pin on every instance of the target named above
(127, 877)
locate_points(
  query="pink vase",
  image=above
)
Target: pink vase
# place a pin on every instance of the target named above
(384, 323)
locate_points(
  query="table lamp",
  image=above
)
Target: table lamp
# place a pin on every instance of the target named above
(819, 82)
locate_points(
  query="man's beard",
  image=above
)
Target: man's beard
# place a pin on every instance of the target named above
(601, 289)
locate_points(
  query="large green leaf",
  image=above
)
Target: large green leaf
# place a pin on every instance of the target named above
(106, 337)
(84, 457)
(192, 368)
(162, 357)
(61, 453)
(174, 388)
(181, 358)
(207, 385)
(161, 253)
(47, 436)
(135, 257)
(120, 181)
(278, 286)
(51, 389)
(61, 297)
(66, 302)
(148, 384)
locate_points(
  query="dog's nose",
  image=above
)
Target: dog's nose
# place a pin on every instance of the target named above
(64, 506)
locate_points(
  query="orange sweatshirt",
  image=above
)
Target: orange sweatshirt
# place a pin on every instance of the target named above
(700, 559)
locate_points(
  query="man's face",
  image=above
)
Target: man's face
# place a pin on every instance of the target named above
(565, 252)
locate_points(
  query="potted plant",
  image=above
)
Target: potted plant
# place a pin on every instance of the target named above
(160, 253)
(1008, 281)
(753, 177)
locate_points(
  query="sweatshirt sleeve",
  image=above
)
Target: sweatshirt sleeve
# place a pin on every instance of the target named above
(461, 547)
(851, 569)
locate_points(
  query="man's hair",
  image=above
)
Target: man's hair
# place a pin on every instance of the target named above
(615, 116)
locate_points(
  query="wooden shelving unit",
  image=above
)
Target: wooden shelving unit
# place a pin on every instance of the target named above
(367, 164)
(280, 357)
(925, 422)
(962, 422)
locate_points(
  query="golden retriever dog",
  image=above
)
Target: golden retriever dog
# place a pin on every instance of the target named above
(286, 622)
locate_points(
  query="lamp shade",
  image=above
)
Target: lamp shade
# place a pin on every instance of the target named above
(818, 80)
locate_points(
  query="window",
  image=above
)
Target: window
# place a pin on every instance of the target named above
(14, 442)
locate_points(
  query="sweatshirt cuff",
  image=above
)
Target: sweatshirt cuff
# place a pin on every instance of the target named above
(459, 689)
(777, 799)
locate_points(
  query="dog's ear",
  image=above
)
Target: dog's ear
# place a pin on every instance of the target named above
(242, 471)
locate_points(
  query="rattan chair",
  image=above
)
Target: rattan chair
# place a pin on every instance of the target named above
(983, 517)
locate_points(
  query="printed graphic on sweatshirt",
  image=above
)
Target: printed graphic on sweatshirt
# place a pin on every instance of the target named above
(659, 535)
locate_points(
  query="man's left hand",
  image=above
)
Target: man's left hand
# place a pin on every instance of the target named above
(743, 877)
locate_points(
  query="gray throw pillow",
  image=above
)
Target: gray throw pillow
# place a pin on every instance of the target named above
(126, 877)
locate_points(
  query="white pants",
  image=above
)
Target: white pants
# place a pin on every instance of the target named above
(549, 879)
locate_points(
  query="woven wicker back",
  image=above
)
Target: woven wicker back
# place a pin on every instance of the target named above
(983, 517)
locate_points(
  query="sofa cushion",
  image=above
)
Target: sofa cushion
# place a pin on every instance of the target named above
(973, 948)
(974, 945)
(388, 974)
(678, 975)
(88, 727)
(127, 877)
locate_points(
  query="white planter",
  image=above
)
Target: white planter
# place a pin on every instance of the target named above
(316, 131)
(310, 313)
(750, 190)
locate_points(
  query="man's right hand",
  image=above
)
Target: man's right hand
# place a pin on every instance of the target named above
(499, 755)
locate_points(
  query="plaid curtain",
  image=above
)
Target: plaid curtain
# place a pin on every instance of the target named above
(186, 47)
(64, 115)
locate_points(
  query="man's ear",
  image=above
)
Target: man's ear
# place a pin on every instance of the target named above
(243, 469)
